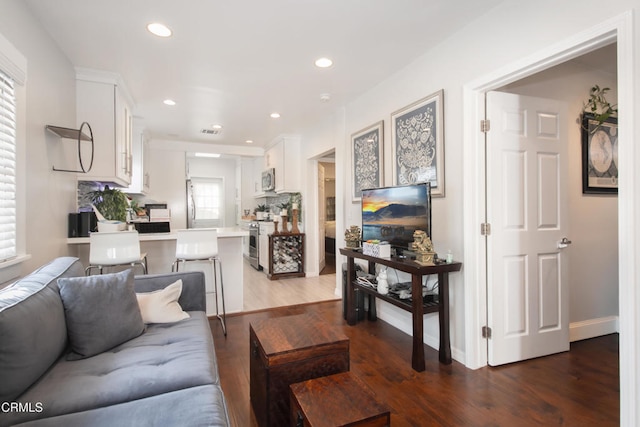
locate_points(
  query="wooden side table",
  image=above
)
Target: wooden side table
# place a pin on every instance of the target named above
(287, 350)
(335, 401)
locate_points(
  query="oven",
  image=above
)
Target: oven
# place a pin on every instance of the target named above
(253, 249)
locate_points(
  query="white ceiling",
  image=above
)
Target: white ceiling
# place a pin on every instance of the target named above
(234, 62)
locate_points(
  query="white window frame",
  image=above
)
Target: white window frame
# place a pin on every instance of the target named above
(14, 64)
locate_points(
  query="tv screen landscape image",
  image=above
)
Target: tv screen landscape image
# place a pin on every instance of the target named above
(392, 214)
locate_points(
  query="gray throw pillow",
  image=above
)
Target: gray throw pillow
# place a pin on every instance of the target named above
(101, 312)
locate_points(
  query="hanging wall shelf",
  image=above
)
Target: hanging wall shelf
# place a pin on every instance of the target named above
(79, 136)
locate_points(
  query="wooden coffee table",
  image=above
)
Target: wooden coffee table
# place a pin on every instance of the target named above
(287, 350)
(334, 401)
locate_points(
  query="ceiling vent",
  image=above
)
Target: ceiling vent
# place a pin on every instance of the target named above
(211, 131)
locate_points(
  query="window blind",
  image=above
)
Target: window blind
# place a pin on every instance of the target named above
(7, 168)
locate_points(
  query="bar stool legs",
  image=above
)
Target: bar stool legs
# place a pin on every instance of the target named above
(213, 261)
(222, 318)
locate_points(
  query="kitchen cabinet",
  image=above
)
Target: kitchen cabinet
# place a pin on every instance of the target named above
(284, 157)
(140, 178)
(258, 168)
(103, 102)
(266, 228)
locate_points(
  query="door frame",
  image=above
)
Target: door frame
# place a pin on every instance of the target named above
(618, 29)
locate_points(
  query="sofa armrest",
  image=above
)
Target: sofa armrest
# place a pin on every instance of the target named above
(193, 287)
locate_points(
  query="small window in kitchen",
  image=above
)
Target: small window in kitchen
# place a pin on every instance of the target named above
(7, 168)
(206, 204)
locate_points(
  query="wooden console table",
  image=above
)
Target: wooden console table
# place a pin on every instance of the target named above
(416, 306)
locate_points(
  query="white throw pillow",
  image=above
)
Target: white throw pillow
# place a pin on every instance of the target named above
(162, 306)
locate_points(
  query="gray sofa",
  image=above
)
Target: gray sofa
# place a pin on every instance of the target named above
(166, 376)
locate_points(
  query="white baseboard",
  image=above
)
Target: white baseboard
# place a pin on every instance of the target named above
(593, 328)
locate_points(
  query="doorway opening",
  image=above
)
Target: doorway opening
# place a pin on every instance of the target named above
(592, 219)
(327, 217)
(618, 30)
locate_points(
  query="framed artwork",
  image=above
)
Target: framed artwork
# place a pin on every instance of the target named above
(599, 155)
(417, 139)
(366, 162)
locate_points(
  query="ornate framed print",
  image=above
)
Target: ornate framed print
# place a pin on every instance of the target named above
(417, 140)
(366, 163)
(599, 155)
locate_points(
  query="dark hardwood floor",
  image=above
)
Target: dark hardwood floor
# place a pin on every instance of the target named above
(577, 388)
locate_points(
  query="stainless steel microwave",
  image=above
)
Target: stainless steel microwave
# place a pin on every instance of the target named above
(269, 180)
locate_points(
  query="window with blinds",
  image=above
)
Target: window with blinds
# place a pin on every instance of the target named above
(7, 168)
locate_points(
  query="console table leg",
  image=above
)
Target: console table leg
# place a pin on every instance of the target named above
(417, 356)
(445, 342)
(373, 314)
(351, 294)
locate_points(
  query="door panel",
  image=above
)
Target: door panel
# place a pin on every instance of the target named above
(526, 180)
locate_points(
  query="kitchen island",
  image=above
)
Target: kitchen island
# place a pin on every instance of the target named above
(161, 253)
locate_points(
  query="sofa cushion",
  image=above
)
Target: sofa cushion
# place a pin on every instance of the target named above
(101, 312)
(166, 357)
(193, 407)
(162, 306)
(32, 326)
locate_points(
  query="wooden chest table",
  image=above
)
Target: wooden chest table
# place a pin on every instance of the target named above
(287, 350)
(336, 401)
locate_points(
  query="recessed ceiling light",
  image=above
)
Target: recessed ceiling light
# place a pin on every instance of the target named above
(212, 155)
(159, 29)
(275, 115)
(249, 141)
(216, 126)
(169, 102)
(324, 62)
(324, 97)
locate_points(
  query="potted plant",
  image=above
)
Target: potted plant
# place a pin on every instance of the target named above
(598, 106)
(260, 210)
(111, 207)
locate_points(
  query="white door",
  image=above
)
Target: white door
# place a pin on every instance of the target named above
(322, 216)
(528, 307)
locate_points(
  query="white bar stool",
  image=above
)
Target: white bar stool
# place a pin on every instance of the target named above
(201, 244)
(113, 249)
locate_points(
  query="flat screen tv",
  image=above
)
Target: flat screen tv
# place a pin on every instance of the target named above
(392, 214)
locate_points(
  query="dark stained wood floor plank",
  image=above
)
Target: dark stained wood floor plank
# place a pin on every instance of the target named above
(576, 388)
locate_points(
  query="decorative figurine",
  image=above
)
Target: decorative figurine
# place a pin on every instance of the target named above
(423, 248)
(352, 237)
(383, 285)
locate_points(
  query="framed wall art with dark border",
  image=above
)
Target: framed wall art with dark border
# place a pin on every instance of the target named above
(417, 139)
(366, 163)
(599, 155)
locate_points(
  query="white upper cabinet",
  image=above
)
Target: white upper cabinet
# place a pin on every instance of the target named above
(258, 168)
(105, 104)
(140, 179)
(284, 157)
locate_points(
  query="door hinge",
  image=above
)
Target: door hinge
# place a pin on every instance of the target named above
(485, 229)
(486, 332)
(485, 125)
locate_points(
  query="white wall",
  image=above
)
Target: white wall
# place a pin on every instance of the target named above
(50, 91)
(593, 219)
(504, 35)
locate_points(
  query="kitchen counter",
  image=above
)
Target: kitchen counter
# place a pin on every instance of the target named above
(223, 232)
(161, 253)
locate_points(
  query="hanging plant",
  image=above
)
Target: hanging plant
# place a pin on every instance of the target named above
(598, 106)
